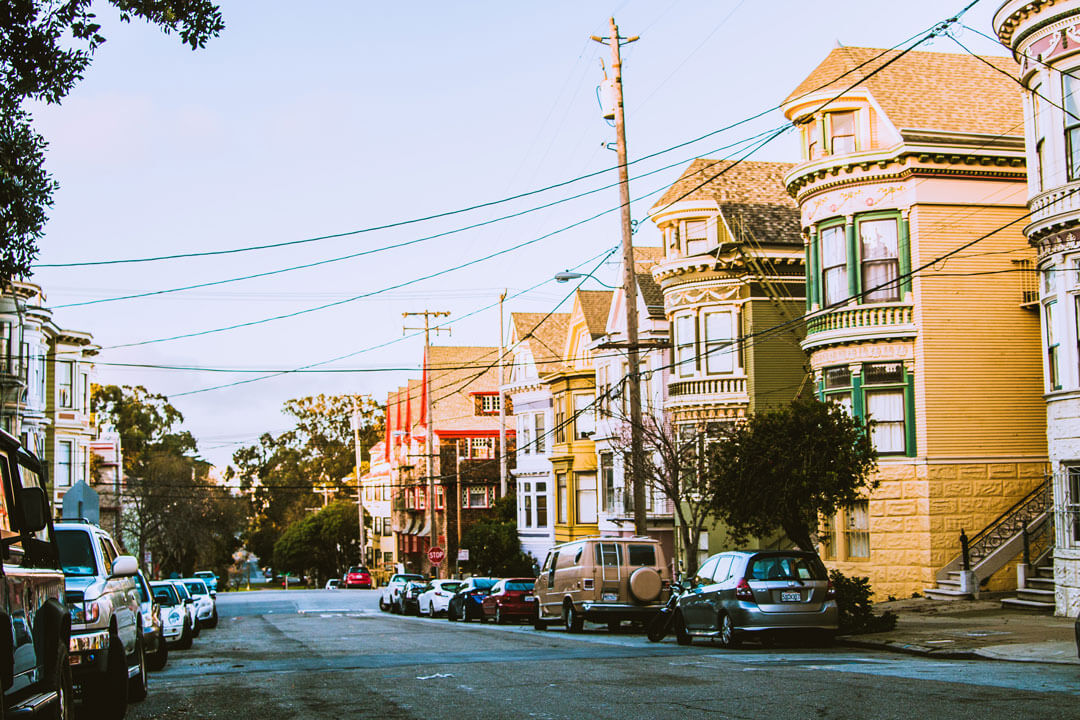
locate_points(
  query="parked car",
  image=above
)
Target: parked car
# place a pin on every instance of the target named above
(175, 619)
(205, 602)
(465, 605)
(108, 651)
(358, 577)
(37, 673)
(736, 595)
(437, 596)
(189, 607)
(157, 654)
(389, 597)
(409, 599)
(332, 584)
(510, 599)
(602, 579)
(208, 577)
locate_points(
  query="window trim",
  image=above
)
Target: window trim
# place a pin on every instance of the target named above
(840, 225)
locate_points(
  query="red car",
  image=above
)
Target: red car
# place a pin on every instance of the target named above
(358, 577)
(510, 599)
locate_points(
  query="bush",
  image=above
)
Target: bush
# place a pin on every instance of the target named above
(855, 608)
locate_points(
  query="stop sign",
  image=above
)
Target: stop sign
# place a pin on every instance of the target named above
(436, 555)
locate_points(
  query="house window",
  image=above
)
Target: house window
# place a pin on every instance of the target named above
(885, 406)
(560, 420)
(813, 140)
(685, 342)
(64, 467)
(857, 529)
(440, 498)
(838, 387)
(834, 264)
(827, 538)
(84, 392)
(541, 435)
(1070, 95)
(584, 420)
(697, 237)
(482, 448)
(607, 480)
(1072, 503)
(561, 499)
(841, 132)
(586, 497)
(719, 346)
(478, 497)
(1052, 371)
(1040, 123)
(487, 404)
(880, 260)
(525, 518)
(525, 430)
(65, 377)
(541, 505)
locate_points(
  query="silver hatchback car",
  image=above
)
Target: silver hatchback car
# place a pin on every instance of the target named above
(742, 594)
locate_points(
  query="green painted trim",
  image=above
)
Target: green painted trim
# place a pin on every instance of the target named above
(909, 412)
(854, 277)
(905, 256)
(858, 403)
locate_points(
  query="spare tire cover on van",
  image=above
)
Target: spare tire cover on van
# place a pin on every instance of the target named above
(645, 584)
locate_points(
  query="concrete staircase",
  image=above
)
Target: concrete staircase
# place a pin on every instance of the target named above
(1039, 593)
(947, 588)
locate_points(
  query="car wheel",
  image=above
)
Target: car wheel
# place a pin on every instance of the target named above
(450, 614)
(538, 623)
(383, 605)
(139, 684)
(157, 660)
(572, 618)
(196, 628)
(107, 695)
(212, 622)
(728, 637)
(681, 635)
(64, 708)
(499, 619)
(185, 637)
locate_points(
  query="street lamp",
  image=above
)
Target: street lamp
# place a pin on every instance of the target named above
(567, 276)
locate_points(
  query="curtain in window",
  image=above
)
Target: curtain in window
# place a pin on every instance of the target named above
(684, 344)
(842, 127)
(886, 408)
(880, 253)
(586, 497)
(834, 264)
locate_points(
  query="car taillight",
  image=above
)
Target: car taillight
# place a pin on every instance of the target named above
(830, 591)
(743, 591)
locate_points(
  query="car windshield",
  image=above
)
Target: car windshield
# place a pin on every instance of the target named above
(519, 585)
(182, 591)
(402, 579)
(76, 553)
(205, 575)
(786, 567)
(452, 586)
(164, 595)
(358, 570)
(483, 583)
(196, 587)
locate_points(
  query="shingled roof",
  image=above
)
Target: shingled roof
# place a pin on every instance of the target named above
(595, 305)
(545, 335)
(750, 194)
(928, 90)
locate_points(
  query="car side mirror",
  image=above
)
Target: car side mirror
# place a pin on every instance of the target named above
(33, 508)
(124, 566)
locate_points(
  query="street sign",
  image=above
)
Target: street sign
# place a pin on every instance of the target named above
(463, 555)
(436, 555)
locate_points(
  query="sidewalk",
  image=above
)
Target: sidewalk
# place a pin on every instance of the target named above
(967, 629)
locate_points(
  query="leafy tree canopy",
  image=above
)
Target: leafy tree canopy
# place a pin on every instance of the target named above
(45, 48)
(144, 420)
(324, 543)
(494, 547)
(785, 468)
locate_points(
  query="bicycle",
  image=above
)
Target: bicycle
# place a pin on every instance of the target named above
(661, 625)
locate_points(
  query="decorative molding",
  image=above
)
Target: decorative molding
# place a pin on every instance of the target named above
(699, 295)
(860, 353)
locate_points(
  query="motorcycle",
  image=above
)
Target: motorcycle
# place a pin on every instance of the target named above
(661, 625)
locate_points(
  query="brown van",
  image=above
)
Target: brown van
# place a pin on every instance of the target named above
(602, 579)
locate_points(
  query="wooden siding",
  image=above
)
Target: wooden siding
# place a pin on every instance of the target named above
(775, 364)
(979, 381)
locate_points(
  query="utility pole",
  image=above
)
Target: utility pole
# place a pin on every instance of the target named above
(502, 406)
(433, 538)
(629, 285)
(359, 486)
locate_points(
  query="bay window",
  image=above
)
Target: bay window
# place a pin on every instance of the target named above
(880, 392)
(813, 140)
(584, 420)
(685, 344)
(880, 260)
(1070, 101)
(541, 435)
(697, 237)
(834, 262)
(1052, 370)
(65, 379)
(607, 479)
(525, 429)
(64, 466)
(561, 504)
(719, 342)
(586, 498)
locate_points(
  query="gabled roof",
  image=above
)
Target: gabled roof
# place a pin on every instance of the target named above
(651, 294)
(927, 90)
(751, 196)
(594, 306)
(545, 336)
(455, 375)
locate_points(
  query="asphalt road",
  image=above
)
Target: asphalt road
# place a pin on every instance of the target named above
(332, 654)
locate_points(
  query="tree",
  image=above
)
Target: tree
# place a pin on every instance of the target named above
(322, 544)
(45, 48)
(785, 469)
(673, 466)
(145, 421)
(494, 547)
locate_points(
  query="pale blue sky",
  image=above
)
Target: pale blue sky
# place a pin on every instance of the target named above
(306, 119)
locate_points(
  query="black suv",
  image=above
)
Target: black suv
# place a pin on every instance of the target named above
(35, 626)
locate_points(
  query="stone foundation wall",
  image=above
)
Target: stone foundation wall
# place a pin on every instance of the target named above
(916, 515)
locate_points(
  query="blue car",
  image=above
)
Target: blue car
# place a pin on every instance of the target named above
(468, 602)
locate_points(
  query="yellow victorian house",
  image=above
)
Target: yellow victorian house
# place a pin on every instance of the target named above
(912, 193)
(573, 394)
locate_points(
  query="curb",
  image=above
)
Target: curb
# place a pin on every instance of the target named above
(946, 654)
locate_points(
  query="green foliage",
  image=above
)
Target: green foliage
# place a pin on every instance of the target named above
(322, 544)
(45, 48)
(855, 608)
(145, 421)
(494, 547)
(783, 469)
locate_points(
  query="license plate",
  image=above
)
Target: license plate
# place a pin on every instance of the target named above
(795, 596)
(530, 598)
(611, 597)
